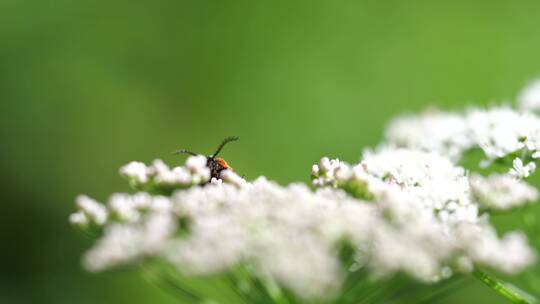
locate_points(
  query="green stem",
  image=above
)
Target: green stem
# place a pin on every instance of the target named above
(383, 292)
(443, 292)
(247, 285)
(500, 288)
(275, 292)
(528, 217)
(169, 285)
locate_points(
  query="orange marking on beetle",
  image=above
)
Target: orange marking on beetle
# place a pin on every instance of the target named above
(223, 163)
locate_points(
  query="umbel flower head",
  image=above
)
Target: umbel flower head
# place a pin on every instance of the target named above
(416, 214)
(407, 208)
(429, 222)
(501, 133)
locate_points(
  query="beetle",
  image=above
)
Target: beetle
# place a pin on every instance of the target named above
(214, 163)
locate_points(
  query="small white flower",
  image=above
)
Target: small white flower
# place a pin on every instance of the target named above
(326, 164)
(196, 163)
(216, 181)
(229, 176)
(94, 211)
(182, 175)
(329, 171)
(529, 98)
(519, 170)
(158, 167)
(136, 171)
(162, 174)
(79, 219)
(315, 170)
(124, 207)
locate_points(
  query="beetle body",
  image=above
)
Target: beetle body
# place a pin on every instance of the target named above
(214, 163)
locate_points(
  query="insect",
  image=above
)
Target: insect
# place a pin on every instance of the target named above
(214, 163)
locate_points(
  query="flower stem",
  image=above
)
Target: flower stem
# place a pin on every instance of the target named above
(528, 217)
(169, 285)
(505, 291)
(275, 292)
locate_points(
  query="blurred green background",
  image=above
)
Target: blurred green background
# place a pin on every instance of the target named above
(86, 86)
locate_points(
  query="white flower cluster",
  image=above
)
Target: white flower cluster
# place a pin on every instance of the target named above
(499, 132)
(431, 224)
(158, 174)
(432, 179)
(446, 133)
(289, 234)
(135, 225)
(501, 192)
(90, 212)
(421, 220)
(126, 242)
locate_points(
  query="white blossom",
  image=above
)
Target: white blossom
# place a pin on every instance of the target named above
(119, 244)
(501, 192)
(216, 181)
(509, 254)
(79, 218)
(130, 208)
(432, 180)
(158, 174)
(429, 202)
(229, 176)
(529, 98)
(197, 166)
(89, 210)
(127, 242)
(136, 171)
(433, 130)
(328, 170)
(519, 170)
(196, 163)
(500, 132)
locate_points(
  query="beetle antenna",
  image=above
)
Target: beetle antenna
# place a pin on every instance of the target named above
(184, 152)
(223, 143)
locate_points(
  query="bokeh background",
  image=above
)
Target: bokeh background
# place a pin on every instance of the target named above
(86, 86)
